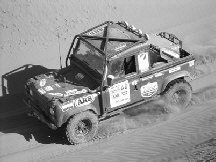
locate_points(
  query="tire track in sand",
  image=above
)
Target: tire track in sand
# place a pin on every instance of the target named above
(145, 143)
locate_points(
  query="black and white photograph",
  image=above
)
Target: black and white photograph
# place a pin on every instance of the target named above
(108, 80)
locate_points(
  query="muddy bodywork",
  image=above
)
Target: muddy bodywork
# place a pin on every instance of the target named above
(57, 97)
(109, 68)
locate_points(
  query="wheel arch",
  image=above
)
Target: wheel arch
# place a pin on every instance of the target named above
(77, 110)
(182, 74)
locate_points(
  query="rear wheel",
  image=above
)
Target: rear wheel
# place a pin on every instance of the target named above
(82, 127)
(178, 93)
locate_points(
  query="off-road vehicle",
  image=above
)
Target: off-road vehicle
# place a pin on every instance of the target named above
(110, 68)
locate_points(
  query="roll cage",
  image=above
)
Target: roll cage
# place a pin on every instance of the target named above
(141, 38)
(103, 51)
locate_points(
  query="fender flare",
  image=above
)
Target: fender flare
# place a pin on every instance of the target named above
(76, 110)
(177, 75)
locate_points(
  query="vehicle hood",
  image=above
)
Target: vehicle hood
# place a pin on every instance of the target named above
(53, 86)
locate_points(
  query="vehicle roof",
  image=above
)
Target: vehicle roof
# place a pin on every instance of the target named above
(112, 39)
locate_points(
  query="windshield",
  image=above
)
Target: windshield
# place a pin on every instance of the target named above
(89, 56)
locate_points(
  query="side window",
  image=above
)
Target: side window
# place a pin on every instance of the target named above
(122, 67)
(129, 65)
(116, 68)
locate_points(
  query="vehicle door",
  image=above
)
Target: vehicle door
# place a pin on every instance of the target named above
(150, 78)
(123, 90)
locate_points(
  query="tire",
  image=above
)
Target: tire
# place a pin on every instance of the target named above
(178, 93)
(82, 127)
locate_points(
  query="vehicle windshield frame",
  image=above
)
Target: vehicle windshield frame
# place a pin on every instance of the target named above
(92, 51)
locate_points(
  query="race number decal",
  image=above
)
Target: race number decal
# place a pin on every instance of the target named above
(119, 94)
(149, 89)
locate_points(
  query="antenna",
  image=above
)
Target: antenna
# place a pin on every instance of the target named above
(59, 50)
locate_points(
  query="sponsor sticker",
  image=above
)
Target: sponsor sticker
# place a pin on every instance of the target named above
(119, 94)
(79, 102)
(143, 61)
(45, 89)
(42, 82)
(135, 82)
(56, 94)
(158, 74)
(74, 92)
(146, 78)
(149, 89)
(69, 93)
(57, 85)
(48, 88)
(41, 91)
(171, 70)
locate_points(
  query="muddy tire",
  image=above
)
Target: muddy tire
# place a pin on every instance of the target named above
(178, 93)
(82, 127)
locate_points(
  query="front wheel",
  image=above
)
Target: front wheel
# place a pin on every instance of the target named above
(82, 127)
(178, 93)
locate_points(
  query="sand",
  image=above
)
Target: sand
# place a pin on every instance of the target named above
(151, 132)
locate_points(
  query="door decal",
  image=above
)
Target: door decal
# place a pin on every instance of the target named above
(119, 94)
(149, 89)
(143, 61)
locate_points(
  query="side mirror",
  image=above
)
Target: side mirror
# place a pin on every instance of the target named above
(109, 80)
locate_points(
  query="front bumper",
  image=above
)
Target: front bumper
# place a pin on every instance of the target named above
(37, 113)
